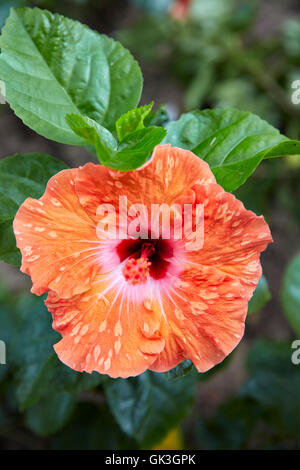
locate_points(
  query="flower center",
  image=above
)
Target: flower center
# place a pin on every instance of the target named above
(136, 271)
(145, 258)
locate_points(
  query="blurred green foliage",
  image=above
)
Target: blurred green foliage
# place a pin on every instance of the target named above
(260, 297)
(219, 59)
(153, 6)
(265, 414)
(290, 293)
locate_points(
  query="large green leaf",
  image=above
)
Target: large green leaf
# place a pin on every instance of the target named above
(232, 142)
(104, 142)
(21, 176)
(148, 406)
(125, 79)
(9, 252)
(290, 294)
(26, 175)
(53, 66)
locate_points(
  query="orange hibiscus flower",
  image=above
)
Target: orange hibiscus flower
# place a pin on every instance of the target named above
(125, 304)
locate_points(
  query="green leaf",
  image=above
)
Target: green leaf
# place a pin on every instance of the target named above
(8, 207)
(26, 175)
(290, 293)
(53, 66)
(21, 176)
(103, 141)
(135, 148)
(179, 371)
(159, 117)
(131, 153)
(9, 253)
(132, 121)
(50, 414)
(148, 406)
(126, 82)
(232, 142)
(260, 297)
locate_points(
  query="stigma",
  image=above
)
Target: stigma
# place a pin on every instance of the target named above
(136, 271)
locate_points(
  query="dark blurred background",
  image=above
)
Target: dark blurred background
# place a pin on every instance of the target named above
(243, 54)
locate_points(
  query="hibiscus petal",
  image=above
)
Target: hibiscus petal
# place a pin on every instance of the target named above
(102, 331)
(206, 313)
(233, 236)
(57, 239)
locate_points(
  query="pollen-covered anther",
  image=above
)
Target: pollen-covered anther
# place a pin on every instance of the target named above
(136, 271)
